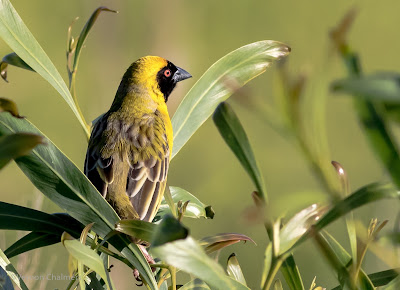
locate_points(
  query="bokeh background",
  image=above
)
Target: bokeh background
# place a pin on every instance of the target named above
(193, 35)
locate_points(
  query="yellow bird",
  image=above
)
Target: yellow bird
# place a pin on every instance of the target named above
(130, 146)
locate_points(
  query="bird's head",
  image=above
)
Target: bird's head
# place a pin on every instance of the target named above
(155, 71)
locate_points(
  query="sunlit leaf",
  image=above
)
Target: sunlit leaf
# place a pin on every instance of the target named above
(234, 135)
(7, 105)
(234, 270)
(86, 256)
(220, 241)
(62, 182)
(6, 265)
(18, 37)
(189, 256)
(195, 208)
(378, 87)
(16, 145)
(215, 86)
(14, 60)
(298, 225)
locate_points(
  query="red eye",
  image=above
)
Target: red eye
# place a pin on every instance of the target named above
(167, 73)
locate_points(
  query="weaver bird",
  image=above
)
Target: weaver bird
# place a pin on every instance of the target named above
(130, 146)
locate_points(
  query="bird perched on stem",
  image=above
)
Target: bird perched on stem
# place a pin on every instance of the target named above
(130, 146)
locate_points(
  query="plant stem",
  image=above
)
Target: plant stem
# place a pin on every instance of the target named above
(75, 99)
(275, 265)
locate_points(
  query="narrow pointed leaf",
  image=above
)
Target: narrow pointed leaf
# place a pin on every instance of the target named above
(234, 135)
(61, 181)
(32, 241)
(364, 195)
(85, 31)
(384, 277)
(15, 217)
(16, 145)
(195, 208)
(344, 258)
(12, 59)
(298, 225)
(220, 241)
(291, 273)
(377, 87)
(234, 270)
(86, 256)
(393, 285)
(6, 265)
(189, 256)
(218, 83)
(18, 37)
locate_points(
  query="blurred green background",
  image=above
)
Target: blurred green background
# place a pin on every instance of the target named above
(193, 35)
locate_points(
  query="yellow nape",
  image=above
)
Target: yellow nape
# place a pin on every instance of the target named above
(145, 69)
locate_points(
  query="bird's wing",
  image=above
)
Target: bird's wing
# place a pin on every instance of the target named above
(147, 179)
(97, 169)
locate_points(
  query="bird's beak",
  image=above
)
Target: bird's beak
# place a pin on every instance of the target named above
(181, 75)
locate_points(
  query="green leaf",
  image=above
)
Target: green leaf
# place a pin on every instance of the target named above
(15, 217)
(85, 31)
(298, 225)
(6, 265)
(393, 285)
(218, 83)
(234, 135)
(15, 33)
(86, 256)
(195, 208)
(61, 181)
(234, 270)
(16, 145)
(170, 229)
(384, 277)
(137, 228)
(195, 284)
(291, 273)
(345, 258)
(220, 241)
(14, 60)
(377, 87)
(189, 256)
(375, 125)
(365, 195)
(32, 241)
